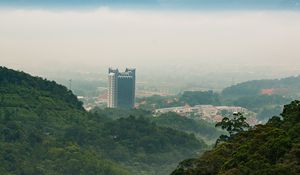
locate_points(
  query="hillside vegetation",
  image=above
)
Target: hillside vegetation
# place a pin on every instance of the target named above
(265, 97)
(45, 130)
(202, 129)
(271, 149)
(289, 87)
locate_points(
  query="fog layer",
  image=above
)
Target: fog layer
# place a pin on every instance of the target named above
(94, 39)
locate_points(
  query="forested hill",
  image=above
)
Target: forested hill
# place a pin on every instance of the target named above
(37, 129)
(45, 131)
(24, 84)
(271, 149)
(287, 86)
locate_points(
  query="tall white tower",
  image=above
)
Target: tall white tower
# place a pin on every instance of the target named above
(112, 90)
(121, 88)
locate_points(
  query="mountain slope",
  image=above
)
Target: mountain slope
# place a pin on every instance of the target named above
(264, 97)
(45, 130)
(35, 116)
(268, 149)
(22, 84)
(289, 87)
(202, 129)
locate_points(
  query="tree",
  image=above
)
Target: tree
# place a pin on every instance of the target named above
(233, 126)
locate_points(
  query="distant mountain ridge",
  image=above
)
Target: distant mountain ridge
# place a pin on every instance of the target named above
(289, 87)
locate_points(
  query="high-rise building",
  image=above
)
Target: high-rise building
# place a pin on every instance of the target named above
(121, 88)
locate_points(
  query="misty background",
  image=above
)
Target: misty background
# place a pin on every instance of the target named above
(184, 44)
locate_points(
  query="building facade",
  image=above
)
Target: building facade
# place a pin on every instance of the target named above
(121, 88)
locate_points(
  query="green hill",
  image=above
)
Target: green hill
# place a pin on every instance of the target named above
(264, 97)
(289, 87)
(202, 129)
(25, 86)
(45, 130)
(271, 149)
(35, 117)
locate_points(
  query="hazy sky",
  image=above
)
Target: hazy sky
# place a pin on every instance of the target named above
(102, 36)
(162, 4)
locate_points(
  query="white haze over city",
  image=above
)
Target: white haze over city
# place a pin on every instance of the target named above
(38, 40)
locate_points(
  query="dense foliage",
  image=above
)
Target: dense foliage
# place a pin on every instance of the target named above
(264, 105)
(15, 82)
(37, 120)
(193, 98)
(116, 113)
(44, 130)
(268, 149)
(233, 126)
(156, 101)
(202, 129)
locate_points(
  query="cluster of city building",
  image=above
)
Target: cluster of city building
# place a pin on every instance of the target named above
(208, 112)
